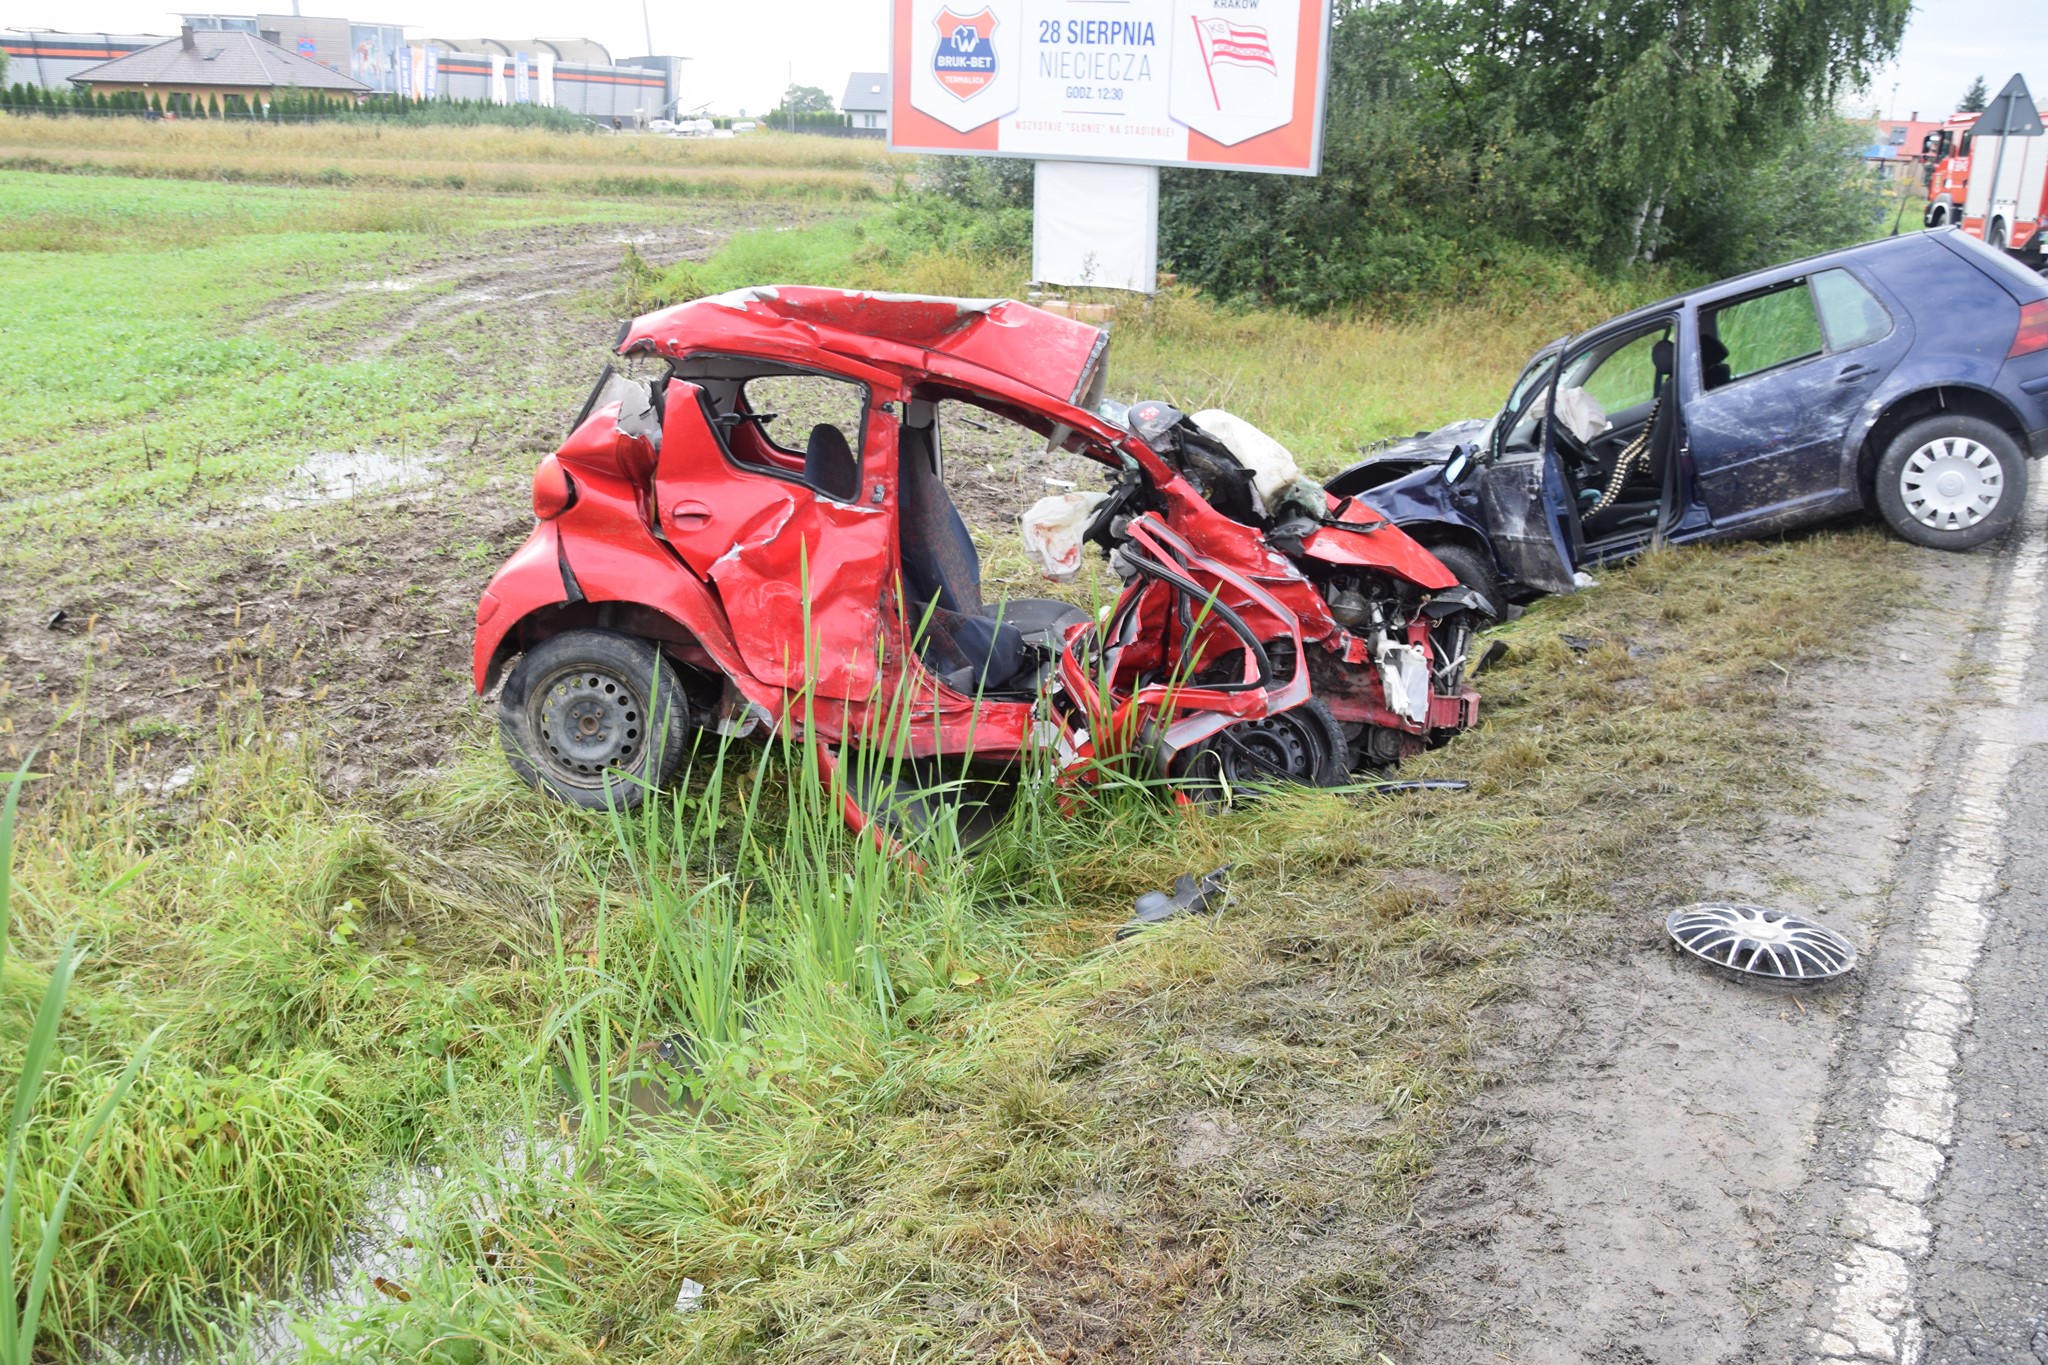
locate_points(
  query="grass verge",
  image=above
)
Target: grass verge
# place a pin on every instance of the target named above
(491, 160)
(926, 1116)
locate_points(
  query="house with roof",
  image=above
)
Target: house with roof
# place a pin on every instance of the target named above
(220, 64)
(866, 103)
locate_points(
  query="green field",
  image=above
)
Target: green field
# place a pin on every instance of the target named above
(940, 1116)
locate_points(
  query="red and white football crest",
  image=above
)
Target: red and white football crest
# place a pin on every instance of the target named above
(965, 60)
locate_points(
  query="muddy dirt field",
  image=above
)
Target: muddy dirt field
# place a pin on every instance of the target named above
(346, 589)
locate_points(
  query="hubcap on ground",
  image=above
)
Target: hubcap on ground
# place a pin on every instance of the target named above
(1755, 940)
(588, 720)
(1951, 484)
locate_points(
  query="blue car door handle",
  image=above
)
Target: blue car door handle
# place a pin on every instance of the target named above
(1854, 374)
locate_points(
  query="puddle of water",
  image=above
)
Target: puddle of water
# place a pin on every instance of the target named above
(335, 475)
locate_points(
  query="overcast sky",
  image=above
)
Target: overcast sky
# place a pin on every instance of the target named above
(744, 51)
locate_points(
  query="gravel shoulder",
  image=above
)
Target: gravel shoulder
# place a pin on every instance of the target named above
(1638, 1182)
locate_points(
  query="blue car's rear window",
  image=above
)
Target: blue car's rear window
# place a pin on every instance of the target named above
(2004, 268)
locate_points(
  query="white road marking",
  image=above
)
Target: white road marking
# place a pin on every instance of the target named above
(1873, 1314)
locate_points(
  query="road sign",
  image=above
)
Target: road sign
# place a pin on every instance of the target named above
(2012, 114)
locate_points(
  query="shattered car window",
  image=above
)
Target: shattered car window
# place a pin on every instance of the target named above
(1524, 408)
(1849, 313)
(800, 404)
(1763, 332)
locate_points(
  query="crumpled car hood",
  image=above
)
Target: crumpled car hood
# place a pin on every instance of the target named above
(1432, 446)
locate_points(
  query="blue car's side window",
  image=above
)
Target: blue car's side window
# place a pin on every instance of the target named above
(1762, 332)
(1849, 313)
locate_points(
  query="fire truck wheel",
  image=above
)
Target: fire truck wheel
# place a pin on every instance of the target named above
(1994, 236)
(1951, 482)
(594, 718)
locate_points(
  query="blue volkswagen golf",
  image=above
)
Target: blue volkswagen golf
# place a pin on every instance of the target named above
(1908, 376)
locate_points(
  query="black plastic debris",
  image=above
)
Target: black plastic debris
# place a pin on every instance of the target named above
(1759, 942)
(1189, 897)
(1579, 644)
(57, 619)
(1496, 651)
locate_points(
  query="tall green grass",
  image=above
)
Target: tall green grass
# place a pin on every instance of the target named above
(22, 1294)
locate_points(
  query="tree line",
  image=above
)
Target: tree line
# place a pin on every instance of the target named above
(284, 106)
(1701, 133)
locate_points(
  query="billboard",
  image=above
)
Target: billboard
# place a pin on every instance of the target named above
(1231, 84)
(373, 56)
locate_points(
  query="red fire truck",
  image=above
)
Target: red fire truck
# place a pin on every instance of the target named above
(1962, 165)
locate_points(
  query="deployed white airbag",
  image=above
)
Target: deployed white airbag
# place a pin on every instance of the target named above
(1052, 529)
(1272, 464)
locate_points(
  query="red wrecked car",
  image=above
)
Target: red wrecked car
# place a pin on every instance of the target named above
(762, 537)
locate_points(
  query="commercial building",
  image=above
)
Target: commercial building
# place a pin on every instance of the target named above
(569, 73)
(48, 60)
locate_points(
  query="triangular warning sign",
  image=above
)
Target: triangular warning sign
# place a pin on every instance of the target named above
(2012, 114)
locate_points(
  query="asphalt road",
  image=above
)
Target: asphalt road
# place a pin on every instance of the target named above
(1673, 1168)
(1983, 1288)
(1939, 1124)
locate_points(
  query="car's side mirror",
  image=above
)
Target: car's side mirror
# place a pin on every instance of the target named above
(1455, 467)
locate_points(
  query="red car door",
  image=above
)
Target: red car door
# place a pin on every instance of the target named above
(782, 553)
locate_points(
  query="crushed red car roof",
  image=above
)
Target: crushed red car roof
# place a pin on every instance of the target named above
(1057, 356)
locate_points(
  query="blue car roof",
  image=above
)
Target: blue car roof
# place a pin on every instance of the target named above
(1734, 283)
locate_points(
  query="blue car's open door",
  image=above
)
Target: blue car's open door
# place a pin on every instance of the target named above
(1522, 490)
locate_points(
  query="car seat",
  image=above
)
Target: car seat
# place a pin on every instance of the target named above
(1714, 361)
(829, 465)
(971, 645)
(1640, 464)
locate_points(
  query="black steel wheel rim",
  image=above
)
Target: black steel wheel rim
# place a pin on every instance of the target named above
(587, 720)
(1262, 751)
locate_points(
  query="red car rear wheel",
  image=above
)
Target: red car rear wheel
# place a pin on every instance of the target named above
(594, 718)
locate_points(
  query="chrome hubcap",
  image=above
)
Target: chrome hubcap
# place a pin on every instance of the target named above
(1951, 484)
(589, 721)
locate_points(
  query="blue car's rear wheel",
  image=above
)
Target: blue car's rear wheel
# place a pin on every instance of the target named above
(1951, 482)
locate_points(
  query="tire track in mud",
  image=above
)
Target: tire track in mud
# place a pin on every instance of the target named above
(509, 260)
(1872, 1312)
(357, 610)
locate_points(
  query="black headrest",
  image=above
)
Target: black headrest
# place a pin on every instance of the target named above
(1661, 355)
(828, 461)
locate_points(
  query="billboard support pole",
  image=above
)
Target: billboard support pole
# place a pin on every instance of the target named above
(1095, 224)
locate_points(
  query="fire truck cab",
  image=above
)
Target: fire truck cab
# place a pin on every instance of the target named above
(1945, 154)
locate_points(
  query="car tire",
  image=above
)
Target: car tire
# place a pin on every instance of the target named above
(1934, 476)
(1301, 746)
(594, 718)
(1475, 571)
